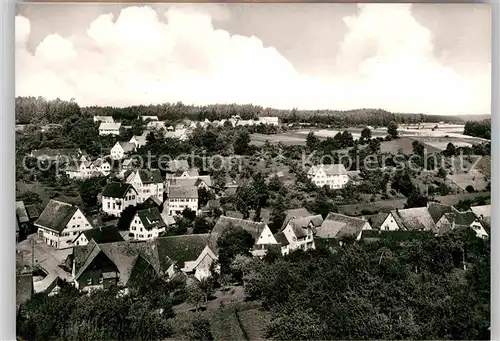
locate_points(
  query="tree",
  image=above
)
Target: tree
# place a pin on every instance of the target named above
(470, 189)
(196, 296)
(366, 134)
(418, 148)
(189, 214)
(374, 146)
(204, 196)
(89, 189)
(126, 218)
(201, 225)
(450, 150)
(278, 215)
(392, 129)
(312, 141)
(442, 173)
(233, 242)
(242, 142)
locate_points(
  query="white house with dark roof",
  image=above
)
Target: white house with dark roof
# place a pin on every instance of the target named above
(104, 119)
(260, 232)
(149, 118)
(334, 176)
(338, 226)
(109, 128)
(139, 140)
(60, 223)
(409, 219)
(179, 198)
(483, 212)
(82, 170)
(120, 149)
(102, 166)
(99, 235)
(116, 196)
(467, 219)
(298, 231)
(147, 183)
(147, 224)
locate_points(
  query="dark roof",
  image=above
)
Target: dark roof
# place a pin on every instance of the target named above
(339, 225)
(281, 238)
(414, 219)
(103, 235)
(294, 214)
(56, 215)
(117, 190)
(252, 227)
(300, 225)
(153, 201)
(437, 210)
(376, 220)
(182, 192)
(24, 288)
(461, 218)
(21, 213)
(184, 248)
(151, 218)
(32, 211)
(127, 146)
(150, 176)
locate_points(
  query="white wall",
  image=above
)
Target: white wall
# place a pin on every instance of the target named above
(109, 205)
(77, 224)
(117, 152)
(266, 237)
(176, 205)
(141, 233)
(389, 224)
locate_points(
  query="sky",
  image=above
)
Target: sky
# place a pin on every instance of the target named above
(415, 58)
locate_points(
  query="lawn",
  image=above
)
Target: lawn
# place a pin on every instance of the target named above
(225, 323)
(254, 323)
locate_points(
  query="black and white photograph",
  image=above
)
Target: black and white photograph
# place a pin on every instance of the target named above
(253, 171)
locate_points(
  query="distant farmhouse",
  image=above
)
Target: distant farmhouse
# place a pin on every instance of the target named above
(117, 196)
(334, 176)
(109, 129)
(104, 119)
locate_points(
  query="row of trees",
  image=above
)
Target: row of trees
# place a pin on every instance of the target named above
(480, 129)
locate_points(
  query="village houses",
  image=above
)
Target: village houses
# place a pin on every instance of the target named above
(297, 231)
(117, 196)
(334, 176)
(338, 226)
(139, 140)
(120, 149)
(109, 129)
(99, 266)
(59, 224)
(147, 183)
(147, 224)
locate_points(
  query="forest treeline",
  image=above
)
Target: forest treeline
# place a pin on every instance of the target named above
(40, 110)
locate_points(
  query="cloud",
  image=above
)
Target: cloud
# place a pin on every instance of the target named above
(139, 57)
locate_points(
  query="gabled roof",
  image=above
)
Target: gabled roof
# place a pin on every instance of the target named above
(56, 215)
(150, 176)
(182, 192)
(102, 235)
(294, 214)
(109, 126)
(375, 220)
(22, 214)
(152, 118)
(103, 119)
(141, 139)
(253, 227)
(183, 248)
(153, 200)
(338, 225)
(330, 170)
(126, 146)
(414, 219)
(151, 218)
(461, 218)
(437, 210)
(117, 190)
(32, 211)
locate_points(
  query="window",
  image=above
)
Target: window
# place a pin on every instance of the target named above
(140, 229)
(114, 206)
(74, 233)
(100, 279)
(109, 205)
(89, 281)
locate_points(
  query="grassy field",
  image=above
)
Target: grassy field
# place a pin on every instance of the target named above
(254, 323)
(225, 323)
(46, 193)
(388, 205)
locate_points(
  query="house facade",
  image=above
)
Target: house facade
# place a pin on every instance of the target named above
(120, 149)
(147, 183)
(334, 176)
(117, 196)
(82, 170)
(60, 223)
(139, 140)
(179, 198)
(147, 224)
(298, 233)
(109, 128)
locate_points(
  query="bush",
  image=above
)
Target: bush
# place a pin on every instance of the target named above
(470, 189)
